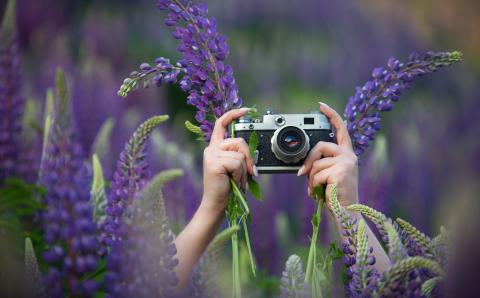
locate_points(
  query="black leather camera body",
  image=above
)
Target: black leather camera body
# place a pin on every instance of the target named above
(284, 139)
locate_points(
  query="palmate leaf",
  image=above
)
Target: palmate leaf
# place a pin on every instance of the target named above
(399, 272)
(205, 278)
(32, 283)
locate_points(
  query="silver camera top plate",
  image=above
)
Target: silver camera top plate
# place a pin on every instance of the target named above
(276, 121)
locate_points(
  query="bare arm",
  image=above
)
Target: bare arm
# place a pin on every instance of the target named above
(329, 164)
(222, 159)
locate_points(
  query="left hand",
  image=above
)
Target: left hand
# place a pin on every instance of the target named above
(330, 163)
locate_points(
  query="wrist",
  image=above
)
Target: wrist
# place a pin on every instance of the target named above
(210, 209)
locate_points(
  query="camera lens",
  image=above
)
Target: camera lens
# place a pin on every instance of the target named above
(290, 144)
(290, 141)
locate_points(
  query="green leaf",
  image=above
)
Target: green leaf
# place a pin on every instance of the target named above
(254, 188)
(334, 252)
(195, 129)
(253, 143)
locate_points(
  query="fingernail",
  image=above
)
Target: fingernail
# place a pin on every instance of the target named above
(300, 171)
(255, 171)
(246, 186)
(323, 104)
(308, 190)
(245, 109)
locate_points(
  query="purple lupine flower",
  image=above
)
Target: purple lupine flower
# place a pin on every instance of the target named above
(70, 231)
(142, 264)
(128, 179)
(293, 279)
(208, 81)
(378, 95)
(11, 101)
(364, 276)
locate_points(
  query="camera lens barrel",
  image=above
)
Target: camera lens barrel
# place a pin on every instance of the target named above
(290, 144)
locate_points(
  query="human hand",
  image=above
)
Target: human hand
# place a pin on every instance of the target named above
(330, 163)
(224, 159)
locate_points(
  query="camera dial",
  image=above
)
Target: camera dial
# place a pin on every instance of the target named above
(290, 144)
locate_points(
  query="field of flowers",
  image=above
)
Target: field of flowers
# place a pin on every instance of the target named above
(105, 109)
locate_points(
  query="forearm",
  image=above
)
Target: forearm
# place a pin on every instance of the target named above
(382, 262)
(193, 240)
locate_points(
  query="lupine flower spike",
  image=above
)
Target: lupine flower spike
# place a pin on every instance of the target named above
(387, 85)
(70, 231)
(201, 71)
(128, 179)
(11, 101)
(141, 265)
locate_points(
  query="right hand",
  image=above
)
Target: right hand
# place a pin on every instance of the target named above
(224, 159)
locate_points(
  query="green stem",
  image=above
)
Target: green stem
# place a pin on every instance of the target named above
(239, 196)
(237, 289)
(247, 239)
(312, 254)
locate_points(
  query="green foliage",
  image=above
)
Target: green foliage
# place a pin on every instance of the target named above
(18, 198)
(420, 238)
(399, 272)
(253, 142)
(97, 192)
(101, 144)
(32, 283)
(254, 188)
(195, 129)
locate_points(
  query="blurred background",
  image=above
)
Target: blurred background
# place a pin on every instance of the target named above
(287, 55)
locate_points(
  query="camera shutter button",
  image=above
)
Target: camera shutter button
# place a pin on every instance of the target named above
(280, 120)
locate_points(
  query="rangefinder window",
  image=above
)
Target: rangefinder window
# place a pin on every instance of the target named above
(308, 120)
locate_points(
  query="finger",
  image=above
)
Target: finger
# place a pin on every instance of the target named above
(240, 157)
(320, 165)
(321, 178)
(343, 138)
(321, 149)
(233, 167)
(221, 125)
(239, 145)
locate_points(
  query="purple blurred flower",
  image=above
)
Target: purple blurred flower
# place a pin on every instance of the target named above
(378, 95)
(11, 102)
(209, 82)
(128, 179)
(142, 264)
(70, 231)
